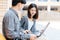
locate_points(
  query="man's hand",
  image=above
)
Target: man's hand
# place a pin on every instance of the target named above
(33, 37)
(27, 31)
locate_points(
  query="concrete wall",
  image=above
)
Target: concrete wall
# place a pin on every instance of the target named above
(3, 8)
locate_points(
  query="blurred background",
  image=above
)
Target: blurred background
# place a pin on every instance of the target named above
(49, 11)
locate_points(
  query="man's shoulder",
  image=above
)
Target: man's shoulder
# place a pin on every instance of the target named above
(9, 13)
(25, 17)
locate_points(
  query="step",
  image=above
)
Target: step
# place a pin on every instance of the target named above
(2, 37)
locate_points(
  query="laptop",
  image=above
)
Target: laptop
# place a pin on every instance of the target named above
(44, 29)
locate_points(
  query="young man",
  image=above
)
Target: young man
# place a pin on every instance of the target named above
(11, 23)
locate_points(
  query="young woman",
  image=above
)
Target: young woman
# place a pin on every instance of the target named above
(30, 23)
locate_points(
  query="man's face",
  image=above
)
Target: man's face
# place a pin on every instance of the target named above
(20, 5)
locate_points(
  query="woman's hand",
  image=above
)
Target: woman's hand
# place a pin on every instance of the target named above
(33, 37)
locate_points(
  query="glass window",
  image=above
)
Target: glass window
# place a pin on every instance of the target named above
(43, 0)
(41, 8)
(55, 0)
(54, 8)
(30, 0)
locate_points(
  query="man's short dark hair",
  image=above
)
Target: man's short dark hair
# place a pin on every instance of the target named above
(15, 2)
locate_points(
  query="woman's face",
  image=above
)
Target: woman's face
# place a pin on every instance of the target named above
(33, 11)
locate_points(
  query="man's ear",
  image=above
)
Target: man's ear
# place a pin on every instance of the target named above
(19, 4)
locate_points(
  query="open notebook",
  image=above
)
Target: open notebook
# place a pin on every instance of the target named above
(44, 29)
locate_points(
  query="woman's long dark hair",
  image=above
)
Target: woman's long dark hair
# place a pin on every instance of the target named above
(31, 6)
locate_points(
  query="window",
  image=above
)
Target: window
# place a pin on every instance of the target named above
(55, 0)
(41, 8)
(43, 0)
(54, 8)
(30, 0)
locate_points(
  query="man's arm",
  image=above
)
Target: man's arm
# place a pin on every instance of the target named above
(10, 27)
